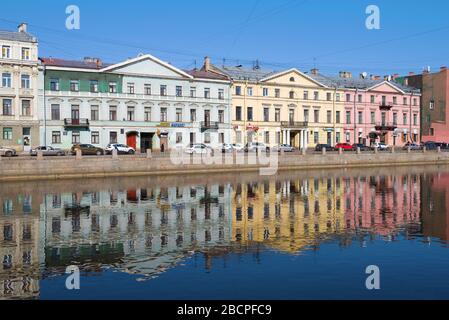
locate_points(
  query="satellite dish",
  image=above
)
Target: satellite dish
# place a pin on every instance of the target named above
(364, 75)
(389, 78)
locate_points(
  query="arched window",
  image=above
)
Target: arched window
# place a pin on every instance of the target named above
(292, 79)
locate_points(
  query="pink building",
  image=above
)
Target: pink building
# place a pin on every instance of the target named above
(381, 111)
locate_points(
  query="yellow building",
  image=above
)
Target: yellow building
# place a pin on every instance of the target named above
(288, 216)
(288, 107)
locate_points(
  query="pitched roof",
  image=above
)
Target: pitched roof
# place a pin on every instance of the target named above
(54, 62)
(241, 73)
(203, 74)
(17, 36)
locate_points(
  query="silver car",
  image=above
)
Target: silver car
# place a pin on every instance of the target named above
(7, 152)
(47, 151)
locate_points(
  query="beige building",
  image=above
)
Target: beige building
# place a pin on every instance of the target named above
(287, 107)
(19, 63)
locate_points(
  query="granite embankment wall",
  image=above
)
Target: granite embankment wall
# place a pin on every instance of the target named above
(17, 169)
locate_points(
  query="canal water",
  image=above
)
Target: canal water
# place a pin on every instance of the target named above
(297, 235)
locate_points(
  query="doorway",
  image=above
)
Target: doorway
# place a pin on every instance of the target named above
(131, 140)
(146, 142)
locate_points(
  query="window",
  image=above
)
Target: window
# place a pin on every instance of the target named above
(415, 119)
(7, 133)
(130, 87)
(95, 137)
(278, 138)
(25, 53)
(432, 131)
(238, 137)
(192, 115)
(221, 94)
(291, 115)
(94, 113)
(221, 117)
(277, 115)
(113, 113)
(56, 137)
(130, 114)
(178, 137)
(147, 89)
(348, 97)
(25, 81)
(265, 92)
(192, 92)
(221, 137)
(360, 98)
(54, 84)
(329, 96)
(316, 116)
(178, 91)
(337, 97)
(316, 95)
(337, 116)
(147, 114)
(292, 79)
(250, 91)
(384, 100)
(238, 90)
(337, 137)
(55, 112)
(94, 86)
(26, 108)
(207, 137)
(112, 137)
(6, 52)
(163, 114)
(329, 116)
(178, 115)
(266, 114)
(277, 93)
(404, 118)
(316, 137)
(404, 101)
(7, 107)
(348, 117)
(306, 95)
(432, 105)
(74, 85)
(306, 115)
(292, 95)
(250, 113)
(267, 137)
(373, 117)
(395, 100)
(206, 93)
(113, 87)
(6, 80)
(395, 118)
(238, 113)
(383, 118)
(76, 137)
(415, 101)
(360, 117)
(373, 99)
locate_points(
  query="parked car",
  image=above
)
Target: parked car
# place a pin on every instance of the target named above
(198, 148)
(238, 147)
(7, 152)
(321, 147)
(87, 149)
(344, 146)
(361, 146)
(47, 151)
(431, 145)
(412, 145)
(256, 147)
(226, 148)
(284, 147)
(121, 149)
(380, 146)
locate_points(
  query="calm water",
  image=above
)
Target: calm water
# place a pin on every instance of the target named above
(299, 235)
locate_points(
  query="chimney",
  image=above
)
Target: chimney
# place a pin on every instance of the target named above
(345, 74)
(406, 82)
(314, 71)
(443, 68)
(93, 60)
(206, 66)
(22, 27)
(377, 78)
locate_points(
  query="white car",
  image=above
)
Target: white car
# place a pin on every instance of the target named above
(256, 147)
(238, 147)
(7, 152)
(121, 148)
(380, 146)
(226, 148)
(199, 148)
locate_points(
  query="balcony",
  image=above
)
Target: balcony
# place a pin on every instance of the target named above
(386, 126)
(294, 125)
(76, 124)
(208, 126)
(385, 107)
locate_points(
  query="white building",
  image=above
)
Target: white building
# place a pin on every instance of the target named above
(143, 102)
(19, 63)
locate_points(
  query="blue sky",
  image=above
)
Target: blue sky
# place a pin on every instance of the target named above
(328, 34)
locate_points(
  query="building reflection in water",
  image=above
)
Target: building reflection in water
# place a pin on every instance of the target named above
(150, 229)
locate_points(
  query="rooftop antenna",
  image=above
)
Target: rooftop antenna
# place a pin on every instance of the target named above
(224, 62)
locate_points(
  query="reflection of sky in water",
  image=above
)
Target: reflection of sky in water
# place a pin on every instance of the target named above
(290, 237)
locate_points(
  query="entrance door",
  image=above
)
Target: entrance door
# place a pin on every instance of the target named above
(329, 138)
(26, 132)
(164, 143)
(146, 142)
(131, 140)
(75, 115)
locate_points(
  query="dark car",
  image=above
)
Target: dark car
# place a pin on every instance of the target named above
(361, 146)
(47, 151)
(321, 147)
(431, 145)
(87, 149)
